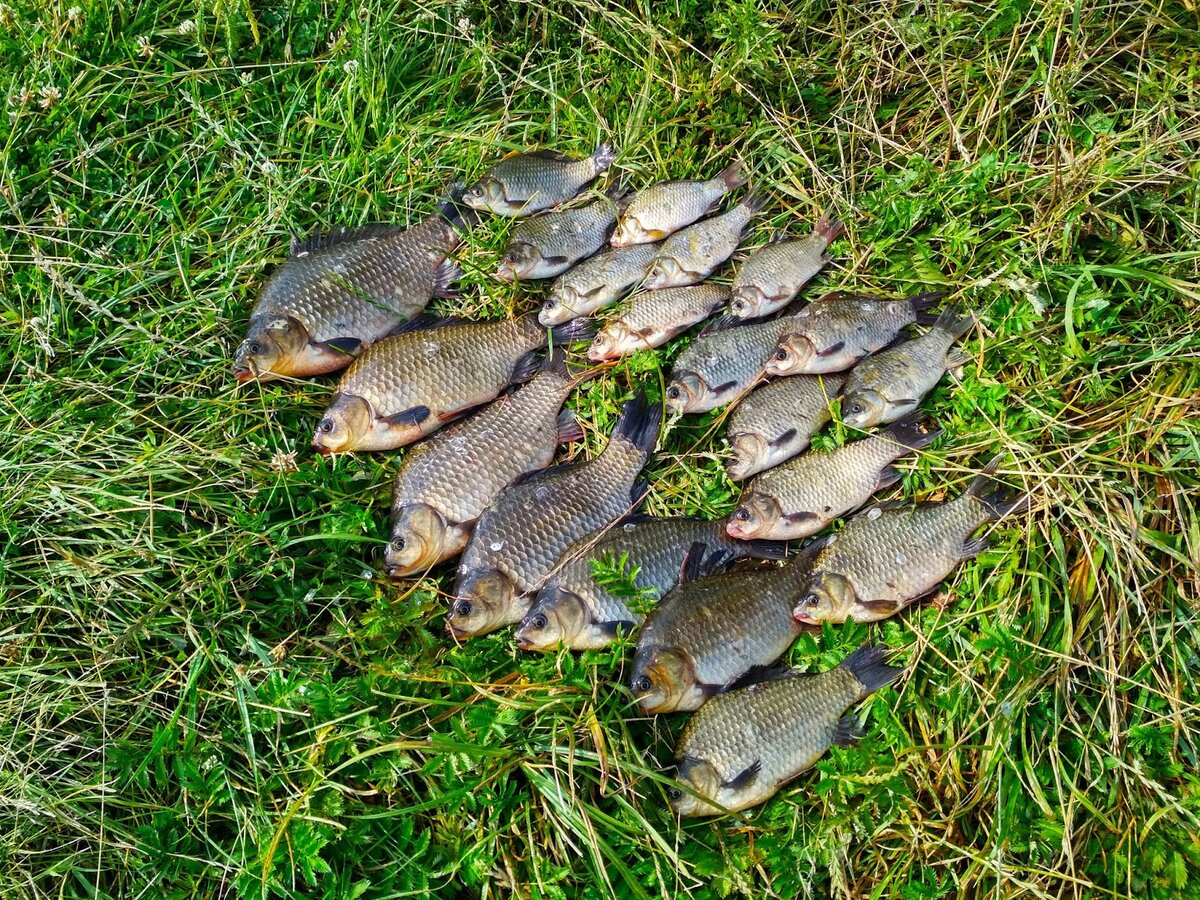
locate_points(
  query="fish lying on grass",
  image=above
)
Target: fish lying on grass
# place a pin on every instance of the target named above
(887, 386)
(446, 482)
(771, 278)
(895, 553)
(339, 293)
(664, 208)
(777, 421)
(526, 183)
(708, 633)
(721, 363)
(596, 282)
(743, 746)
(411, 384)
(522, 535)
(801, 496)
(835, 332)
(690, 256)
(549, 244)
(573, 610)
(652, 318)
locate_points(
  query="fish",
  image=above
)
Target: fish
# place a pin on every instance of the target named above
(523, 534)
(664, 208)
(652, 318)
(887, 386)
(549, 244)
(596, 282)
(895, 553)
(721, 363)
(572, 610)
(743, 746)
(709, 632)
(772, 277)
(777, 421)
(446, 482)
(409, 385)
(690, 256)
(834, 333)
(801, 496)
(339, 293)
(526, 183)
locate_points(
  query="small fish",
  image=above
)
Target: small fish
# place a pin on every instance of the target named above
(523, 534)
(770, 279)
(664, 208)
(413, 383)
(803, 495)
(887, 386)
(708, 633)
(573, 611)
(446, 482)
(690, 256)
(549, 244)
(721, 363)
(339, 293)
(895, 553)
(777, 420)
(530, 182)
(835, 332)
(652, 318)
(743, 746)
(596, 282)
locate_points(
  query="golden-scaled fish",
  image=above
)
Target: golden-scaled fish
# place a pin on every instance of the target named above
(895, 553)
(889, 385)
(743, 746)
(721, 363)
(708, 633)
(339, 293)
(525, 183)
(835, 332)
(446, 482)
(664, 208)
(771, 278)
(690, 256)
(596, 282)
(549, 244)
(801, 496)
(652, 318)
(523, 534)
(777, 420)
(411, 384)
(572, 610)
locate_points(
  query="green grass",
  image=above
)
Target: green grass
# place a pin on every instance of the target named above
(207, 691)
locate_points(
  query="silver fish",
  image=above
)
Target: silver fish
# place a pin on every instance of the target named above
(664, 208)
(721, 363)
(526, 183)
(596, 282)
(549, 244)
(652, 318)
(772, 276)
(777, 421)
(690, 256)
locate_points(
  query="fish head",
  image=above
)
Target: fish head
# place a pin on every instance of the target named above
(686, 392)
(629, 232)
(614, 341)
(554, 620)
(664, 273)
(344, 426)
(273, 347)
(519, 261)
(863, 409)
(662, 680)
(702, 777)
(748, 453)
(558, 309)
(481, 602)
(418, 533)
(792, 355)
(746, 301)
(487, 194)
(828, 597)
(755, 517)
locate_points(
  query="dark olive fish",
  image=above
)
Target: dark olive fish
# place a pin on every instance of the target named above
(526, 183)
(721, 363)
(771, 278)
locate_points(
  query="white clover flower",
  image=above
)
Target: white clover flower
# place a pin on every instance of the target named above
(267, 167)
(74, 14)
(187, 26)
(245, 77)
(350, 67)
(8, 16)
(145, 48)
(49, 95)
(464, 25)
(284, 461)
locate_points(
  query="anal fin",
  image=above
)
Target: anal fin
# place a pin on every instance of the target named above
(848, 731)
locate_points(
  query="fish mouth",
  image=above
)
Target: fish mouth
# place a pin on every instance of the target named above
(506, 272)
(322, 449)
(242, 374)
(804, 618)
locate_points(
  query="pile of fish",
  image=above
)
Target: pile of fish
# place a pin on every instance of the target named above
(561, 551)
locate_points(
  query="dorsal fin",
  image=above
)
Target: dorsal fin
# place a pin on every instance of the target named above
(319, 241)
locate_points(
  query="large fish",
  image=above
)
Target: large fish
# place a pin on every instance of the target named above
(651, 318)
(549, 244)
(801, 496)
(664, 208)
(743, 746)
(721, 363)
(596, 282)
(446, 482)
(690, 256)
(573, 610)
(523, 534)
(526, 183)
(772, 276)
(339, 293)
(777, 421)
(412, 384)
(892, 554)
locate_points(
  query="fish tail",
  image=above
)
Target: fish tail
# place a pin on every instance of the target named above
(734, 175)
(916, 431)
(869, 665)
(639, 423)
(828, 228)
(754, 201)
(999, 500)
(921, 303)
(953, 322)
(454, 211)
(602, 157)
(574, 332)
(555, 363)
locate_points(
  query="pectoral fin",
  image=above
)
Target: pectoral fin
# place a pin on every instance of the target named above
(414, 416)
(836, 348)
(347, 345)
(744, 778)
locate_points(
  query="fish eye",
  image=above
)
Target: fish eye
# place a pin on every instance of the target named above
(539, 621)
(255, 347)
(325, 426)
(781, 354)
(398, 544)
(462, 608)
(673, 392)
(856, 408)
(550, 304)
(738, 305)
(742, 515)
(812, 600)
(674, 793)
(643, 685)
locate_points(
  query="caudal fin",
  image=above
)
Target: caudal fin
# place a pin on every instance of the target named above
(754, 201)
(916, 431)
(828, 228)
(998, 499)
(869, 665)
(734, 175)
(639, 423)
(602, 157)
(953, 322)
(453, 210)
(921, 303)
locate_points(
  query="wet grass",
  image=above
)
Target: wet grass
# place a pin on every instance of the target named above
(206, 689)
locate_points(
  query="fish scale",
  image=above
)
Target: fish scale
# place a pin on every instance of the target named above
(721, 363)
(777, 421)
(652, 318)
